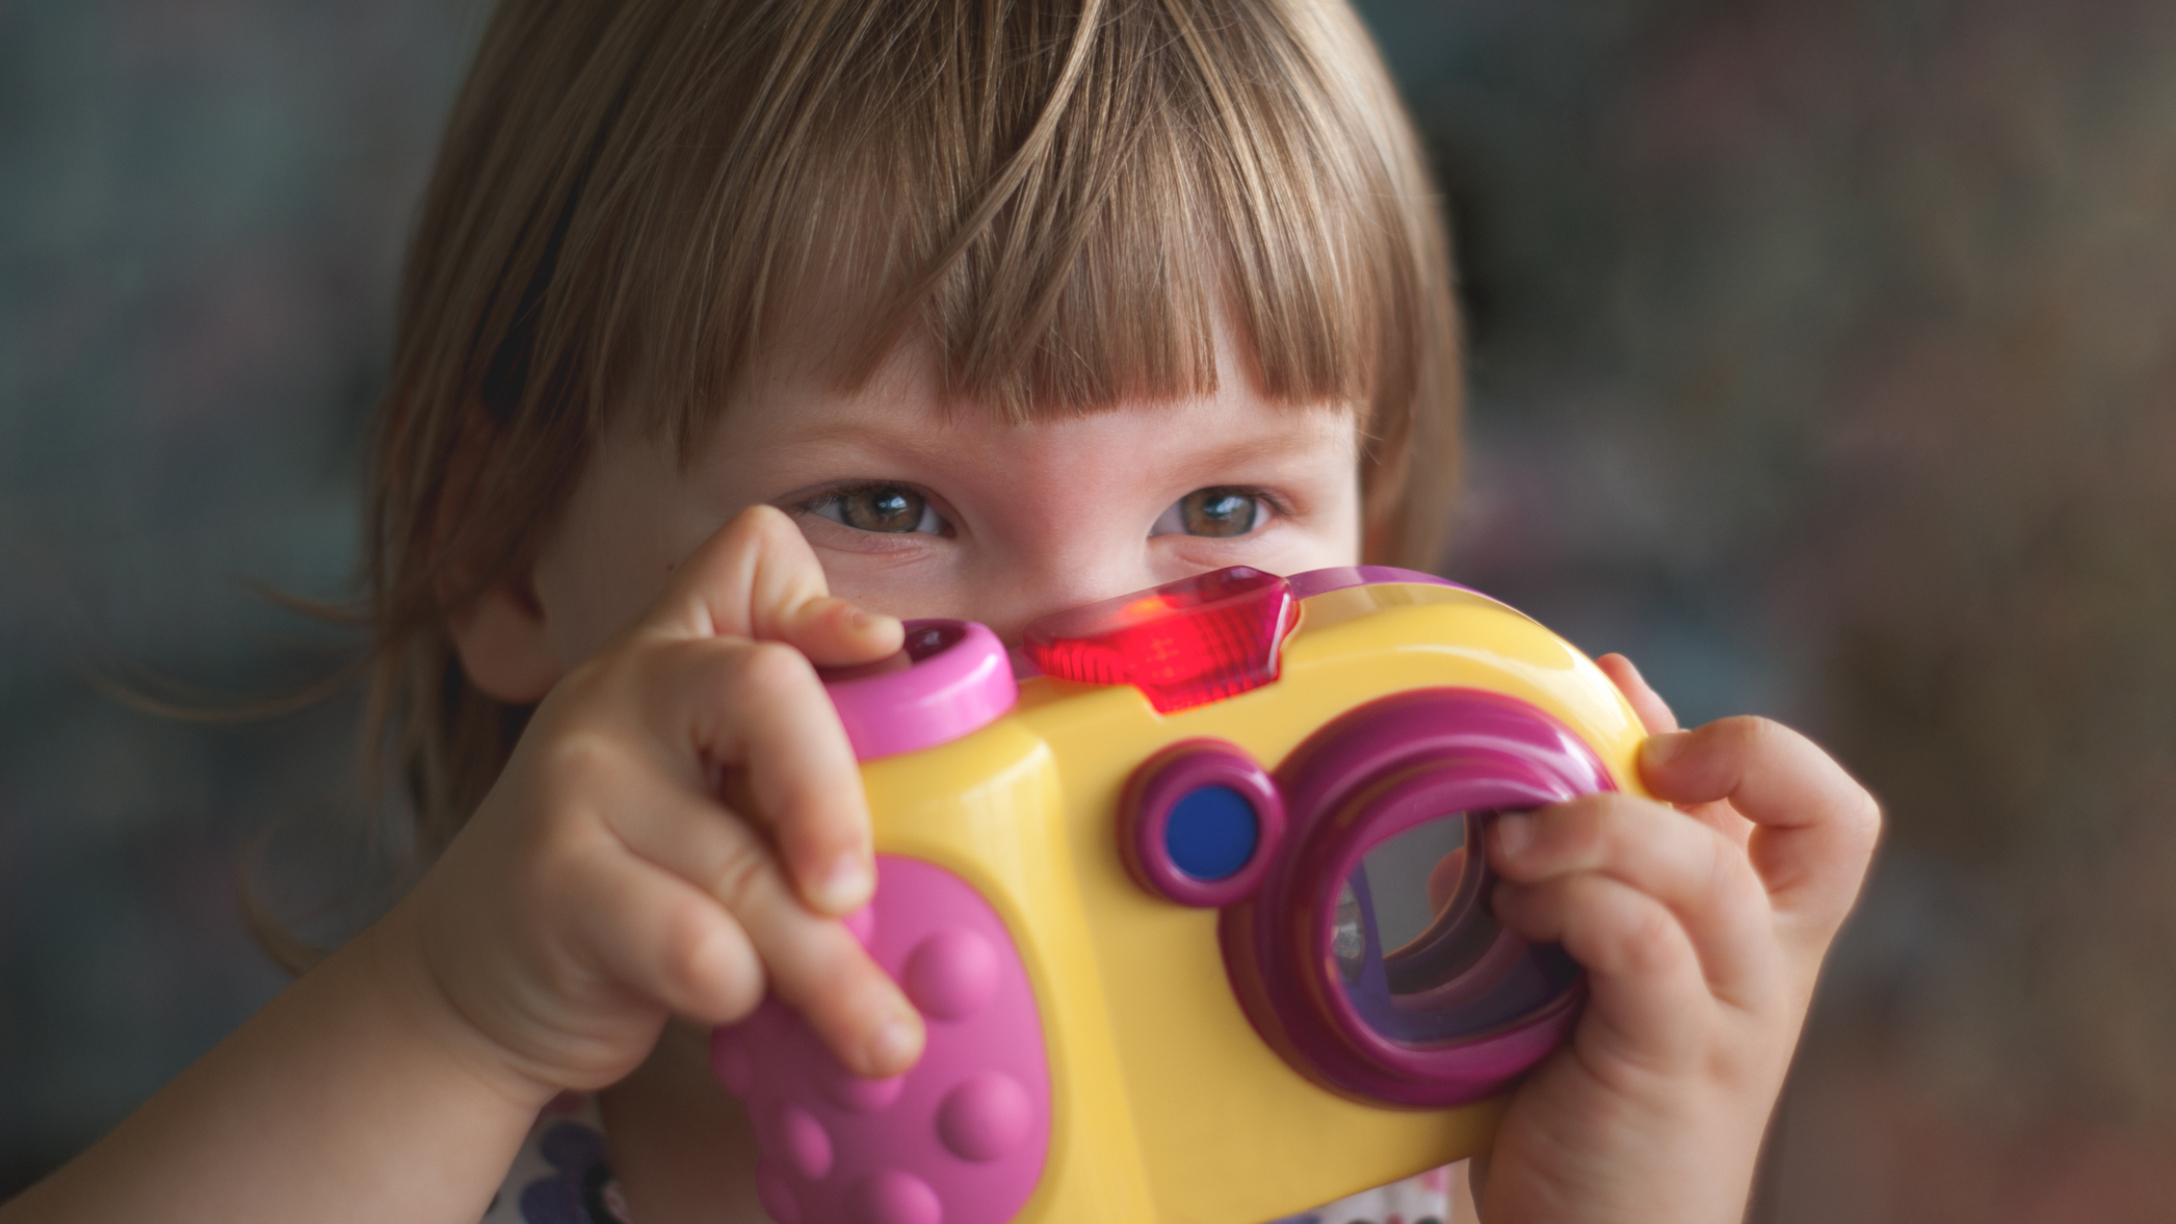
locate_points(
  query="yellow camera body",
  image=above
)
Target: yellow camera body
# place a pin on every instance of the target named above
(1139, 1009)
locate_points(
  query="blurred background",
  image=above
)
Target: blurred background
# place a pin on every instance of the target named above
(1822, 361)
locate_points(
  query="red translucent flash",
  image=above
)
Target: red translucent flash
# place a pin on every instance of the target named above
(1183, 644)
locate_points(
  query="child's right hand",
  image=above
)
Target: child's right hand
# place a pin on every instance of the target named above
(604, 884)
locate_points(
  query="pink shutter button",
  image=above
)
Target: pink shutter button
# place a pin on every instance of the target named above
(950, 679)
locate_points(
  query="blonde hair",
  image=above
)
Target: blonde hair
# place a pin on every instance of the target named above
(632, 196)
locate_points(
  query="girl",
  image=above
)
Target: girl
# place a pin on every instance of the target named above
(735, 329)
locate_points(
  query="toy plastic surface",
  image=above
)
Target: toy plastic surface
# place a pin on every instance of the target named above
(1199, 917)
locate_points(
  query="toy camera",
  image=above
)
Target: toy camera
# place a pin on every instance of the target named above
(1198, 917)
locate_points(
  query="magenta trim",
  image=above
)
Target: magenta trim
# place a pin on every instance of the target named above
(1373, 772)
(1156, 787)
(1337, 578)
(959, 681)
(1477, 785)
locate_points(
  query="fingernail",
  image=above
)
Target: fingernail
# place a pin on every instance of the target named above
(845, 885)
(894, 1044)
(1514, 833)
(1662, 749)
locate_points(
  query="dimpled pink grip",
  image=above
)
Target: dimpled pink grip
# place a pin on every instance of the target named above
(961, 1137)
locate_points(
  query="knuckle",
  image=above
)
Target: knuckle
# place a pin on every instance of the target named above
(753, 535)
(756, 526)
(1581, 828)
(578, 762)
(738, 880)
(1747, 733)
(739, 994)
(772, 671)
(1611, 833)
(709, 964)
(684, 939)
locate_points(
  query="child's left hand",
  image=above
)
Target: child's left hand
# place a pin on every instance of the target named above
(1701, 927)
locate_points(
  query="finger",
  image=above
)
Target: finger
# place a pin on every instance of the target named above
(834, 632)
(1653, 711)
(756, 577)
(1816, 825)
(760, 707)
(1699, 875)
(1644, 988)
(659, 934)
(1656, 716)
(815, 964)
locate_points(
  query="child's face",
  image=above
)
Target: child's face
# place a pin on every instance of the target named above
(915, 511)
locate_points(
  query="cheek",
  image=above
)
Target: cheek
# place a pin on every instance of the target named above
(603, 569)
(1332, 536)
(906, 589)
(590, 595)
(1319, 550)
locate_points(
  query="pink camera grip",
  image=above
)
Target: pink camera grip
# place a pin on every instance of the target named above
(960, 1138)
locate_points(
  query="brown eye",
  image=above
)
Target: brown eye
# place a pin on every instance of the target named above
(887, 508)
(1217, 511)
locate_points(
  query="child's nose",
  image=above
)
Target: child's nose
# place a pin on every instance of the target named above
(1044, 591)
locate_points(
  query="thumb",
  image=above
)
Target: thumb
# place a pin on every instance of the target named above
(757, 578)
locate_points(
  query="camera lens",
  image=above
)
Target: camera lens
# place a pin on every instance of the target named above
(1419, 956)
(1369, 955)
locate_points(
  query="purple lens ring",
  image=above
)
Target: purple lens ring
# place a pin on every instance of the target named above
(1156, 788)
(949, 679)
(1472, 787)
(1273, 941)
(1408, 802)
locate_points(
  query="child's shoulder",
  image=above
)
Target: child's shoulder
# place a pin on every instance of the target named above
(560, 1175)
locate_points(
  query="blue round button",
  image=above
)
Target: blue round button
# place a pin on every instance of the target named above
(1211, 833)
